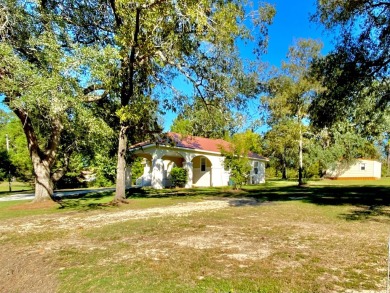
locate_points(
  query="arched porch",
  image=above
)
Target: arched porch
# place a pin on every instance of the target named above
(202, 171)
(157, 166)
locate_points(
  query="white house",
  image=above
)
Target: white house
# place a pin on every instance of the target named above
(200, 156)
(362, 169)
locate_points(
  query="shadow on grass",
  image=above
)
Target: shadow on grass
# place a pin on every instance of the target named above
(89, 201)
(5, 193)
(176, 192)
(369, 202)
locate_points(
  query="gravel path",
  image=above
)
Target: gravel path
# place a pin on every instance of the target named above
(108, 217)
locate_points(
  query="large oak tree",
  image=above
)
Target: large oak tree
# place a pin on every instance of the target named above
(131, 52)
(41, 81)
(157, 42)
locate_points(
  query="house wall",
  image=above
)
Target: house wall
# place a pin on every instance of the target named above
(377, 169)
(371, 170)
(260, 176)
(220, 177)
(163, 159)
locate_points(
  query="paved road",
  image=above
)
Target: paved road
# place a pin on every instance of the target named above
(59, 193)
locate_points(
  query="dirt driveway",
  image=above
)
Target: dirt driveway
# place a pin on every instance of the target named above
(30, 245)
(102, 218)
(30, 269)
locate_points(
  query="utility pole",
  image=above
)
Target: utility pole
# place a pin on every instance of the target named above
(9, 166)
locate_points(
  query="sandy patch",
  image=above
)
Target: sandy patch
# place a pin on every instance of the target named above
(74, 221)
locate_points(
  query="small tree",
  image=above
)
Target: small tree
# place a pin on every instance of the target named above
(178, 176)
(239, 169)
(236, 157)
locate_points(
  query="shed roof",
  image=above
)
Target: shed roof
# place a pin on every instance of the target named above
(194, 143)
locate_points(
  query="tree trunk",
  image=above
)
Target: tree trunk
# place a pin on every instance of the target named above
(300, 169)
(44, 185)
(388, 158)
(120, 194)
(284, 168)
(42, 160)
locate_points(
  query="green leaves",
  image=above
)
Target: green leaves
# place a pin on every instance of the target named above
(360, 61)
(178, 176)
(17, 157)
(292, 90)
(133, 113)
(236, 156)
(45, 78)
(206, 119)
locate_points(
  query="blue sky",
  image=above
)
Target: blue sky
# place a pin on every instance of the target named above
(291, 23)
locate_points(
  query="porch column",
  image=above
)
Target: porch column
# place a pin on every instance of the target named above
(188, 167)
(128, 176)
(157, 173)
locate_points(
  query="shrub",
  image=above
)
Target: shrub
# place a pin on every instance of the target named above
(70, 180)
(178, 176)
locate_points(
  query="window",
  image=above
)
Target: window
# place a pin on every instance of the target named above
(362, 166)
(256, 168)
(202, 164)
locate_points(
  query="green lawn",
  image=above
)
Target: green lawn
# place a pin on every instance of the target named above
(15, 187)
(329, 236)
(382, 182)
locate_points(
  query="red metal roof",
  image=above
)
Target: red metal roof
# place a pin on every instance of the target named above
(194, 142)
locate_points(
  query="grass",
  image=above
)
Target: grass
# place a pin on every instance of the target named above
(329, 236)
(15, 187)
(291, 247)
(382, 182)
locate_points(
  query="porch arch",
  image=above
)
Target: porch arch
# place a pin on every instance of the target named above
(171, 160)
(202, 171)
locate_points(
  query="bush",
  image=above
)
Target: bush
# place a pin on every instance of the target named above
(70, 180)
(178, 177)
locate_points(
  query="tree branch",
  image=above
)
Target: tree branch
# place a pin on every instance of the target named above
(36, 154)
(92, 88)
(92, 99)
(127, 89)
(118, 19)
(59, 173)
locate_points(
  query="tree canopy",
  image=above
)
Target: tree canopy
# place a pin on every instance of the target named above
(359, 64)
(211, 120)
